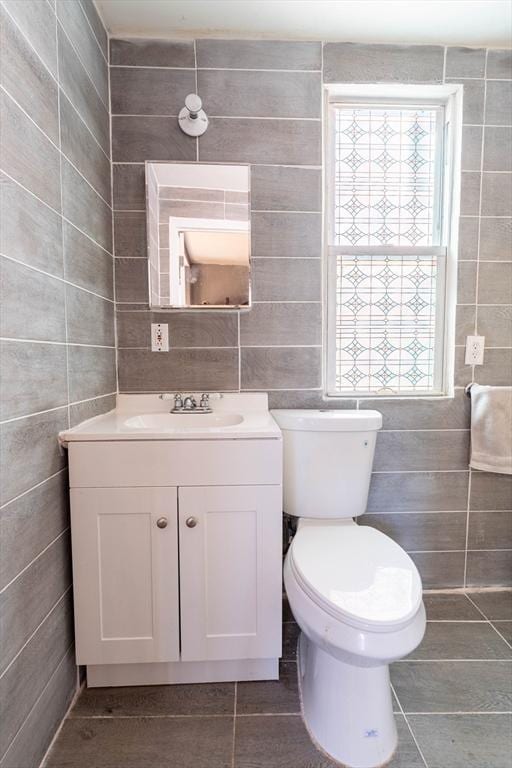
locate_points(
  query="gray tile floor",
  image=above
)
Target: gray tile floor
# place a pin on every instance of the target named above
(453, 702)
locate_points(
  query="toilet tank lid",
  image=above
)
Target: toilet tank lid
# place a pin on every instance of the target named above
(306, 420)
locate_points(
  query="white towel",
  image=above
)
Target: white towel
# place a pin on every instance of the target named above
(491, 429)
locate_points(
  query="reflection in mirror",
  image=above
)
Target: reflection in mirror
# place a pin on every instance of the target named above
(198, 223)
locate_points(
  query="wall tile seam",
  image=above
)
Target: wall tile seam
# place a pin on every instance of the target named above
(72, 45)
(253, 258)
(57, 148)
(481, 304)
(491, 511)
(34, 487)
(463, 346)
(254, 210)
(38, 699)
(56, 343)
(487, 125)
(57, 213)
(84, 123)
(130, 390)
(145, 115)
(419, 471)
(28, 641)
(94, 33)
(141, 164)
(479, 226)
(57, 277)
(198, 312)
(23, 34)
(219, 69)
(486, 173)
(114, 277)
(234, 346)
(34, 560)
(66, 317)
(55, 79)
(387, 513)
(52, 410)
(486, 261)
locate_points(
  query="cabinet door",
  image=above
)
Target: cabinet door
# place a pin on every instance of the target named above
(125, 573)
(230, 572)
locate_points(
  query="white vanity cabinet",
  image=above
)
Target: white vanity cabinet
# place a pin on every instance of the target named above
(125, 574)
(230, 565)
(177, 566)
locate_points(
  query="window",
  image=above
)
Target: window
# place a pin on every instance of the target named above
(390, 284)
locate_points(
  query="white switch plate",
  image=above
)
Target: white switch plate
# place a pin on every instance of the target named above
(475, 346)
(159, 337)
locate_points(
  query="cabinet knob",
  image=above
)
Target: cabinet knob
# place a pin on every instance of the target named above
(191, 522)
(162, 522)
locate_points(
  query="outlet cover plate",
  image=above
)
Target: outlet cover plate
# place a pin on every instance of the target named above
(159, 337)
(475, 346)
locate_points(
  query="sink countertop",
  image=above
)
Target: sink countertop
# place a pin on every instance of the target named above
(257, 422)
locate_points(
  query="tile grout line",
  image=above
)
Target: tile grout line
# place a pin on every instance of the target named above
(114, 262)
(499, 633)
(488, 620)
(477, 281)
(54, 145)
(34, 559)
(80, 60)
(56, 408)
(32, 635)
(468, 508)
(94, 34)
(408, 725)
(61, 660)
(33, 487)
(66, 327)
(57, 277)
(55, 211)
(233, 748)
(66, 717)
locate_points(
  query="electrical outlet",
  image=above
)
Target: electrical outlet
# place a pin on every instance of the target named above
(159, 337)
(475, 350)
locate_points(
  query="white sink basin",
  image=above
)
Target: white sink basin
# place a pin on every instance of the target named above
(235, 416)
(189, 421)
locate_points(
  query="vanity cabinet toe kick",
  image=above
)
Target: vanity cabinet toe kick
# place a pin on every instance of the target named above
(177, 560)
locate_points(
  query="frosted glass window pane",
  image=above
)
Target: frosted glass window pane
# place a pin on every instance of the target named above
(385, 323)
(385, 162)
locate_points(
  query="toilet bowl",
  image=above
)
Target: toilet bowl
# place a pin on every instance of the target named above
(355, 620)
(355, 593)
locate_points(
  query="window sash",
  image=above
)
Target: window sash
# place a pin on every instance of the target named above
(419, 253)
(439, 233)
(440, 229)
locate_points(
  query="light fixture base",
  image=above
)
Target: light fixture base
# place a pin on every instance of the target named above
(192, 118)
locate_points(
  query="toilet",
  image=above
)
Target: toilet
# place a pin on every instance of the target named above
(355, 593)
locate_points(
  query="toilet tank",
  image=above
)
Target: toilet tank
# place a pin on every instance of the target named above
(328, 457)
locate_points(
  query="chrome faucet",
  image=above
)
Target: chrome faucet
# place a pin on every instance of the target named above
(188, 404)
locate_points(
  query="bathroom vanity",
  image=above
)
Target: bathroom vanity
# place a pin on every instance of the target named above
(176, 539)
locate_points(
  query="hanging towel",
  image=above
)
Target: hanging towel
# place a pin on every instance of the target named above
(491, 429)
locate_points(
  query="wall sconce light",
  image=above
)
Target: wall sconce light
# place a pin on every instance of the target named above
(192, 118)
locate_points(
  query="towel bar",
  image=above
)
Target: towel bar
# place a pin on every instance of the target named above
(467, 389)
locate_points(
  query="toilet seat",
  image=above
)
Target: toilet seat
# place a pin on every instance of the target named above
(356, 574)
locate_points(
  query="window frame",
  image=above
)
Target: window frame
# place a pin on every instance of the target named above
(448, 100)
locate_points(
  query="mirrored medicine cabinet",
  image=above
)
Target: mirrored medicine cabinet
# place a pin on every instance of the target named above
(198, 235)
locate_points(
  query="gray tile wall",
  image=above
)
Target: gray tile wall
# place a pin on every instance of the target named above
(263, 99)
(58, 341)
